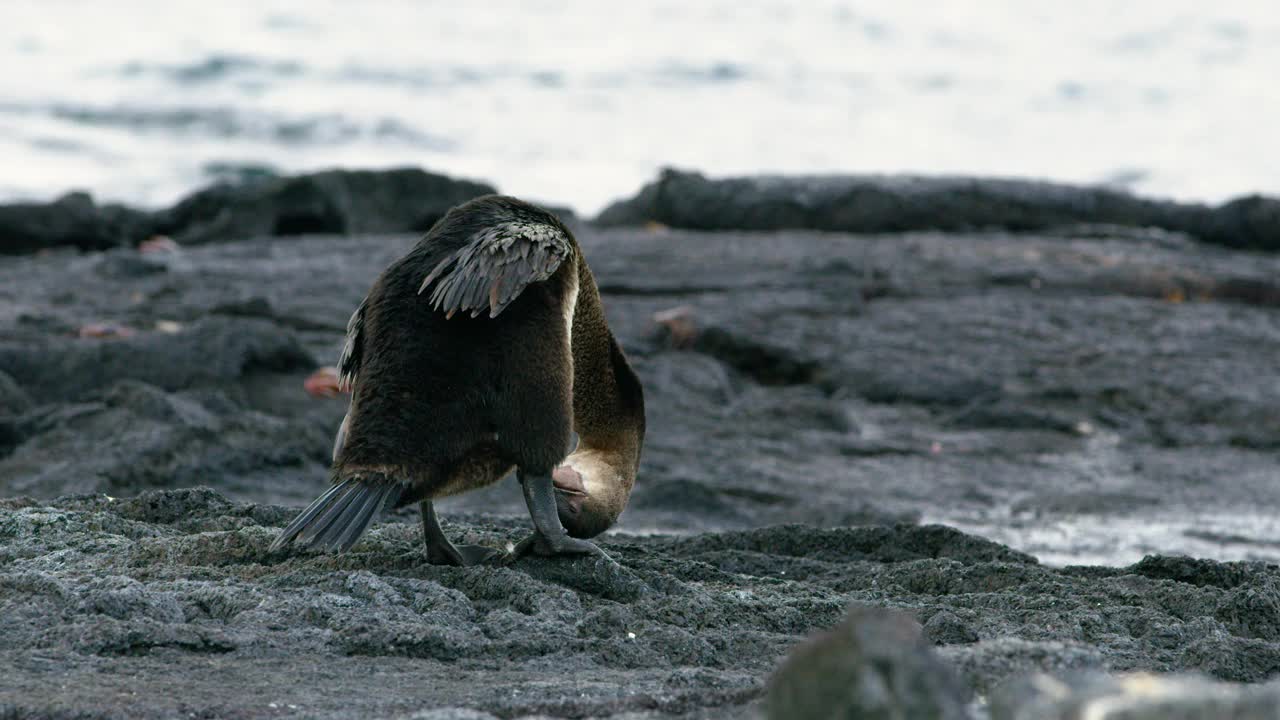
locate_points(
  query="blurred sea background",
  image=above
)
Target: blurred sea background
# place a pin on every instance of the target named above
(580, 102)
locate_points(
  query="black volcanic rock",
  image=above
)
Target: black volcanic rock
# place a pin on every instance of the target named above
(410, 200)
(213, 350)
(800, 395)
(897, 203)
(122, 600)
(329, 202)
(13, 400)
(72, 220)
(876, 664)
(1251, 222)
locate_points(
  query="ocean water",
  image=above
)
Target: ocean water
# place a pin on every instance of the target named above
(581, 101)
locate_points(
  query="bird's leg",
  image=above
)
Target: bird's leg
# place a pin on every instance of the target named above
(442, 552)
(549, 537)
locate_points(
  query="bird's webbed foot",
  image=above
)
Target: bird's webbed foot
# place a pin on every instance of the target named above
(442, 552)
(549, 537)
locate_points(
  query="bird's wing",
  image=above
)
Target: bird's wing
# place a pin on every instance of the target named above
(352, 350)
(495, 266)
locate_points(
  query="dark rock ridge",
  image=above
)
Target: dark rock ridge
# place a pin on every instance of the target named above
(121, 601)
(72, 220)
(410, 200)
(875, 203)
(333, 202)
(330, 202)
(212, 350)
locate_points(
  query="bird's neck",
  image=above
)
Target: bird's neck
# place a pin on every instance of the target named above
(608, 406)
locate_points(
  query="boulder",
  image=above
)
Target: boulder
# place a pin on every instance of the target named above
(330, 202)
(72, 220)
(400, 200)
(875, 665)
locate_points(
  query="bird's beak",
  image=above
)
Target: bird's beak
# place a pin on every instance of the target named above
(570, 490)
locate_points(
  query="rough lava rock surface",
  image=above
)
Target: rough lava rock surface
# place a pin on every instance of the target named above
(1085, 396)
(169, 603)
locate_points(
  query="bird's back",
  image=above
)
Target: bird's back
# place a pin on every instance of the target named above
(433, 387)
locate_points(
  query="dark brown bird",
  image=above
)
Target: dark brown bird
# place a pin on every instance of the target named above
(484, 349)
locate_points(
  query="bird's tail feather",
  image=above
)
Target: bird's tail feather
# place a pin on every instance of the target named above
(337, 519)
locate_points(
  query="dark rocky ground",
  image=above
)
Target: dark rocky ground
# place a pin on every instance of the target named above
(1083, 396)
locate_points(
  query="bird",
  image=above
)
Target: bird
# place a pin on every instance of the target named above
(482, 350)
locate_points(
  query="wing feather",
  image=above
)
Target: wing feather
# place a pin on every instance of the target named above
(352, 350)
(495, 266)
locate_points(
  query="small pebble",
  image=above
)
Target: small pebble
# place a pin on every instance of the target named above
(105, 330)
(158, 244)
